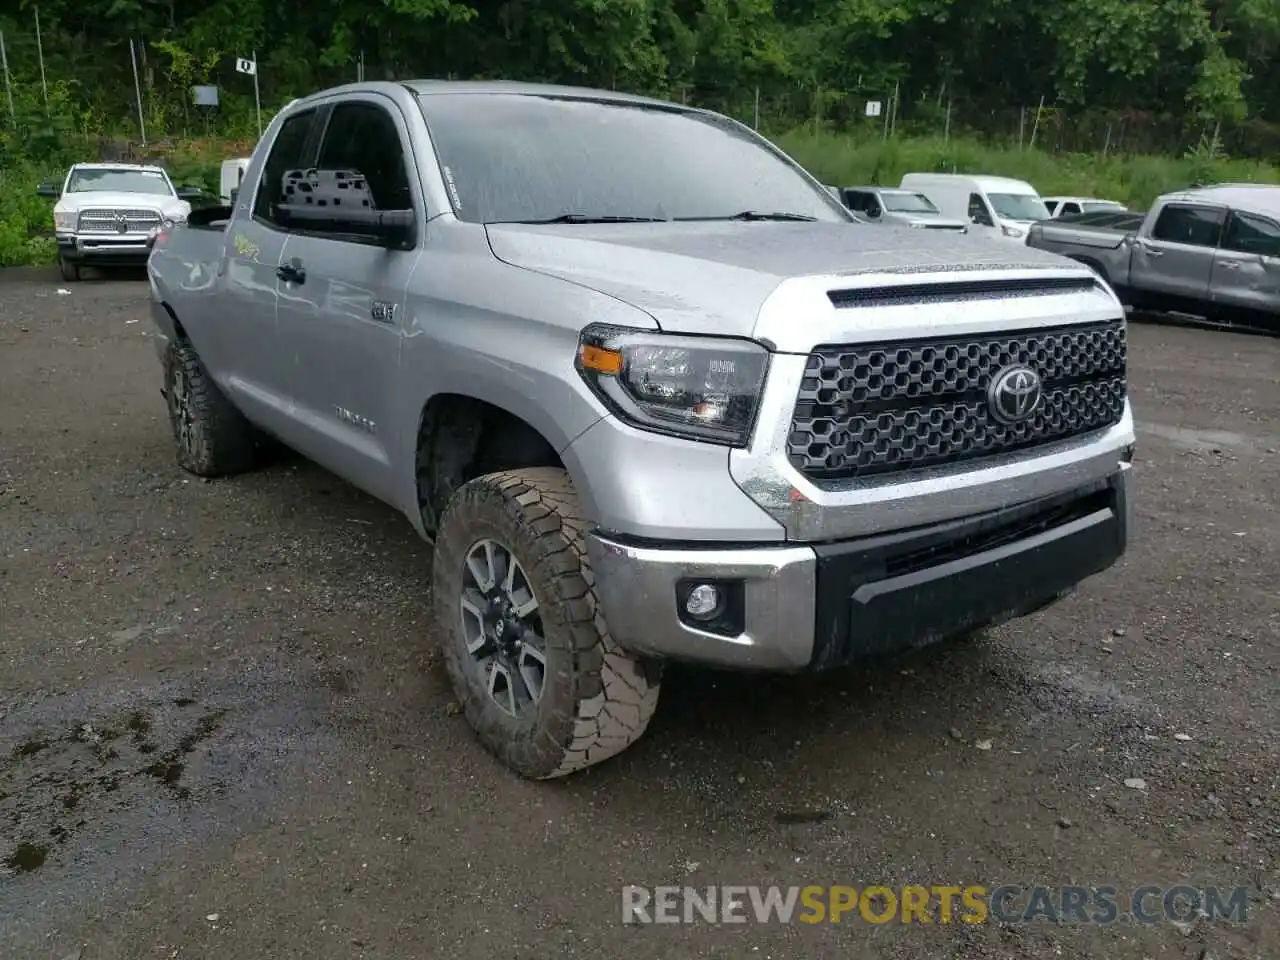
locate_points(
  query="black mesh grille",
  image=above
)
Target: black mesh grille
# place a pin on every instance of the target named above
(867, 409)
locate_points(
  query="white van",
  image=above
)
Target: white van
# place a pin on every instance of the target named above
(996, 206)
(232, 175)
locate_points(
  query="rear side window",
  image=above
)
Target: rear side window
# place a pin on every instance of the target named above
(1194, 226)
(286, 155)
(1247, 233)
(1069, 208)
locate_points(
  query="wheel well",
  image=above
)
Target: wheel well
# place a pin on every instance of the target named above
(178, 332)
(461, 438)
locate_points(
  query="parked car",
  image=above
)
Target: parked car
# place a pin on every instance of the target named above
(893, 206)
(646, 391)
(107, 214)
(994, 206)
(1070, 206)
(1212, 252)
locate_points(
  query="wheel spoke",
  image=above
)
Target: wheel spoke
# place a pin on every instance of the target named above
(532, 666)
(473, 628)
(500, 688)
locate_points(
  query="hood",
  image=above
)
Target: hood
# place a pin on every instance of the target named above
(714, 277)
(931, 219)
(70, 202)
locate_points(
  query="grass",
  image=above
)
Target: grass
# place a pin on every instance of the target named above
(26, 220)
(1135, 180)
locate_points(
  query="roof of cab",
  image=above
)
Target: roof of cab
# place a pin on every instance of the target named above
(1262, 197)
(491, 87)
(989, 183)
(119, 166)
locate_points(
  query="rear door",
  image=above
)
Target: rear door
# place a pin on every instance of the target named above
(244, 352)
(1176, 260)
(1246, 268)
(342, 310)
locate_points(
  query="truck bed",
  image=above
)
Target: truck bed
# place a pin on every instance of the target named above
(1102, 229)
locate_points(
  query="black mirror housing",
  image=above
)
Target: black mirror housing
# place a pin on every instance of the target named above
(395, 229)
(48, 189)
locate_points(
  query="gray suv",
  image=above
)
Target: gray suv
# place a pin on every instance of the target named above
(648, 388)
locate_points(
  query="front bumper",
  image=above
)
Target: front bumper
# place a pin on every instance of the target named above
(105, 249)
(810, 607)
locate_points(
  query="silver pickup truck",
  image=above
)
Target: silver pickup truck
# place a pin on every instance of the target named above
(649, 391)
(1211, 252)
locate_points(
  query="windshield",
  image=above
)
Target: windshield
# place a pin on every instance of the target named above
(1018, 206)
(1092, 206)
(908, 203)
(122, 181)
(512, 157)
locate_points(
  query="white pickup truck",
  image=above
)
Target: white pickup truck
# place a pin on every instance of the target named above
(108, 214)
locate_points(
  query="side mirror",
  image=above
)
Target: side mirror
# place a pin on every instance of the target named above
(48, 189)
(189, 193)
(391, 228)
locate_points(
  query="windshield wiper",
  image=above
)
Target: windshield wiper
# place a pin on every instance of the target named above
(584, 218)
(757, 215)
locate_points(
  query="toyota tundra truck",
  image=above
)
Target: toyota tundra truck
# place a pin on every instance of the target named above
(650, 391)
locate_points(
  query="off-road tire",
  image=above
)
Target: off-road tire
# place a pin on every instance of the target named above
(70, 271)
(596, 699)
(220, 441)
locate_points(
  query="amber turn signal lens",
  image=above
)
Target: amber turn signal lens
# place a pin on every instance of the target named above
(599, 360)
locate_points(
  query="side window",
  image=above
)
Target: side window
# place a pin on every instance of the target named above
(855, 200)
(362, 160)
(1070, 208)
(1247, 233)
(978, 211)
(873, 205)
(1194, 226)
(285, 156)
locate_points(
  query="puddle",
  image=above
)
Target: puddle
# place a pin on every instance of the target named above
(1205, 439)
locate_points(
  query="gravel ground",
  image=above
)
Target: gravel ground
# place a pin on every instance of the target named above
(224, 732)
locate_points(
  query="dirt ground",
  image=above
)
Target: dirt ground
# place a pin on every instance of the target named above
(224, 732)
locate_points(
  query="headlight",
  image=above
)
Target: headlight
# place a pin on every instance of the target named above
(1013, 232)
(701, 388)
(64, 220)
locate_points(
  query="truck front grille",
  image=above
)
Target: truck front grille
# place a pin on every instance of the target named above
(109, 220)
(878, 408)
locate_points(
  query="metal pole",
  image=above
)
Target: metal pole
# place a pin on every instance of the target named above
(257, 98)
(893, 123)
(44, 86)
(757, 124)
(137, 91)
(946, 130)
(1036, 125)
(8, 84)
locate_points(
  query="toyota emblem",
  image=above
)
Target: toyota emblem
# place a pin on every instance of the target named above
(1014, 394)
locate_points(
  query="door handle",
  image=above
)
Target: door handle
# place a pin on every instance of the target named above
(292, 272)
(1230, 264)
(1152, 251)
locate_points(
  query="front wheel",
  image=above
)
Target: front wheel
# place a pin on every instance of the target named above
(526, 645)
(70, 271)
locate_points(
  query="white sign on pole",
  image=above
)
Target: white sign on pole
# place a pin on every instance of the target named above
(873, 108)
(247, 66)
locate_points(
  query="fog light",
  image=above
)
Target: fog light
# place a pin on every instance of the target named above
(703, 601)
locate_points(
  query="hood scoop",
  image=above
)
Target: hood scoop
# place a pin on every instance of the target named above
(915, 293)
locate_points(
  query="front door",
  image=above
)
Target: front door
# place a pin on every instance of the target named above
(1177, 259)
(1246, 270)
(342, 300)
